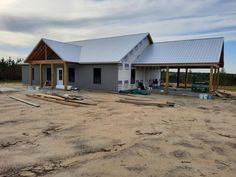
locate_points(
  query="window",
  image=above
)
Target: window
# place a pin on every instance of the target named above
(49, 74)
(126, 82)
(120, 66)
(132, 81)
(126, 66)
(71, 74)
(60, 74)
(32, 73)
(120, 82)
(97, 75)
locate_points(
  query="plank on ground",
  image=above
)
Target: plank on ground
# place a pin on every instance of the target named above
(25, 101)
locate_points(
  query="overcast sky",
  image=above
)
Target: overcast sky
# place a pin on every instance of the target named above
(24, 22)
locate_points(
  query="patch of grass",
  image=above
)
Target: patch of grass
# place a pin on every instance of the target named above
(231, 88)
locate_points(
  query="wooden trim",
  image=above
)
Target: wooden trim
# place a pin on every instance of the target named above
(179, 65)
(217, 78)
(65, 76)
(167, 80)
(46, 62)
(30, 74)
(52, 76)
(211, 78)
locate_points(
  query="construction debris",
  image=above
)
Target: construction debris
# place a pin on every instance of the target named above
(65, 100)
(225, 94)
(144, 102)
(24, 101)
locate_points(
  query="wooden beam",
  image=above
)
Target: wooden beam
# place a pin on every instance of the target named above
(217, 78)
(52, 76)
(46, 62)
(167, 80)
(40, 75)
(65, 76)
(30, 74)
(214, 79)
(210, 78)
(24, 101)
(178, 74)
(186, 78)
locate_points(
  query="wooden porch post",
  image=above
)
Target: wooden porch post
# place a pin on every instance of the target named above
(210, 78)
(30, 74)
(178, 73)
(65, 76)
(52, 76)
(217, 78)
(214, 79)
(40, 76)
(167, 80)
(186, 78)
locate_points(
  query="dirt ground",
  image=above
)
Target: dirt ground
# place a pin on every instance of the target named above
(195, 138)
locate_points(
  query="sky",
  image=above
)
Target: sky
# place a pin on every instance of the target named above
(24, 22)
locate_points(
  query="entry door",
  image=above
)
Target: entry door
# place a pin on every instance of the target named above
(59, 76)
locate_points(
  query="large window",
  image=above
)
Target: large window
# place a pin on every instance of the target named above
(132, 81)
(71, 74)
(97, 75)
(49, 74)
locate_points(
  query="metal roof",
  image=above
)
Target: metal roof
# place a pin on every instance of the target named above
(181, 52)
(107, 50)
(65, 51)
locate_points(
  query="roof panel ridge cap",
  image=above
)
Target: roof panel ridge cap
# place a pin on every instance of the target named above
(110, 37)
(45, 40)
(194, 39)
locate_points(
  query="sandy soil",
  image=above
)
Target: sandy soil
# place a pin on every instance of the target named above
(195, 138)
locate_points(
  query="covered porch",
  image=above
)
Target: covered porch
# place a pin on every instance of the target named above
(47, 65)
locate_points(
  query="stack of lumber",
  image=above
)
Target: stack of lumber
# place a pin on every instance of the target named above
(225, 94)
(70, 100)
(144, 102)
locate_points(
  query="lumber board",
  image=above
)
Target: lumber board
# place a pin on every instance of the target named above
(143, 103)
(50, 96)
(53, 100)
(25, 101)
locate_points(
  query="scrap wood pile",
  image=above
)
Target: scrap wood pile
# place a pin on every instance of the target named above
(225, 94)
(65, 99)
(144, 102)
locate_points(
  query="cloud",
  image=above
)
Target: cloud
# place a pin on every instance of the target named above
(24, 22)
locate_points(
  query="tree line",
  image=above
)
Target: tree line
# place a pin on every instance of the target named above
(10, 69)
(225, 79)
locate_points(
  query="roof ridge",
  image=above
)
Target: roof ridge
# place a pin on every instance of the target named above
(194, 39)
(60, 42)
(108, 37)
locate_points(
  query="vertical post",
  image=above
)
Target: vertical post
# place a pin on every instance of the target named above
(178, 72)
(52, 76)
(186, 78)
(214, 79)
(65, 76)
(40, 75)
(210, 78)
(167, 80)
(217, 78)
(30, 74)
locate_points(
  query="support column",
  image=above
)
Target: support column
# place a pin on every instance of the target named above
(30, 74)
(65, 76)
(214, 79)
(178, 73)
(52, 76)
(186, 78)
(211, 78)
(40, 76)
(167, 80)
(217, 78)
